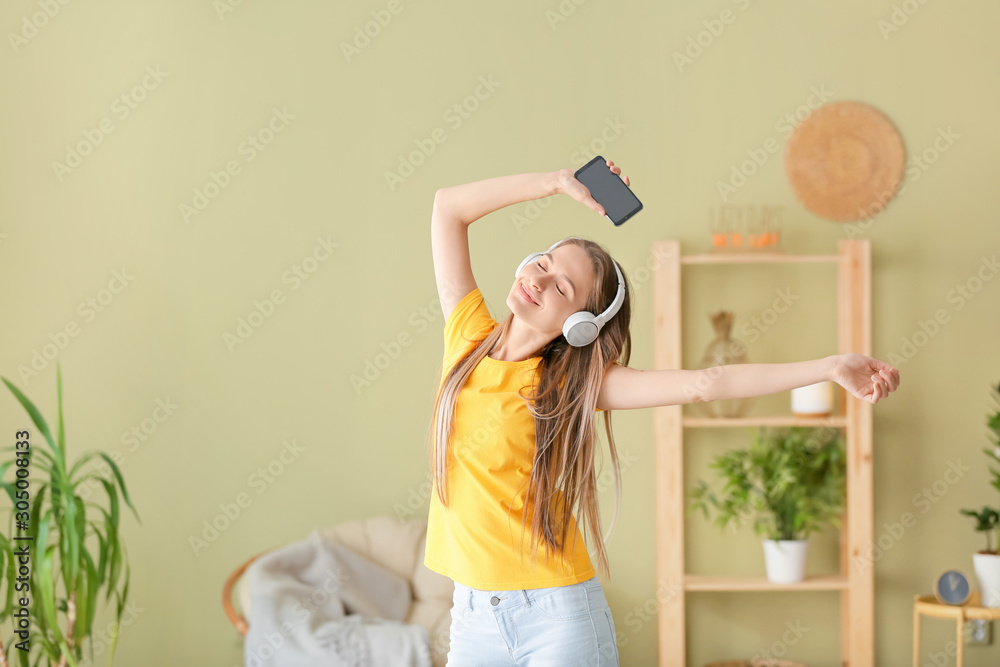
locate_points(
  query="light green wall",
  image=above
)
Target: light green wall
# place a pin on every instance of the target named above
(559, 84)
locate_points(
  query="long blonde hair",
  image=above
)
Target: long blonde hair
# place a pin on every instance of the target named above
(564, 405)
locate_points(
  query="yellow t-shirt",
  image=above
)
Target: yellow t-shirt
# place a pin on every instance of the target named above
(473, 541)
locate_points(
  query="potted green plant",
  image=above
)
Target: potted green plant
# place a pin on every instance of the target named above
(986, 562)
(52, 524)
(791, 482)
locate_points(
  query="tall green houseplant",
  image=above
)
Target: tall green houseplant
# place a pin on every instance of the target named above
(51, 522)
(988, 519)
(791, 481)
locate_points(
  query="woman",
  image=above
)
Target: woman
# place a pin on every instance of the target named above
(515, 418)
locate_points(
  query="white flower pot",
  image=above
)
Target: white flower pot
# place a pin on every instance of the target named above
(988, 572)
(813, 400)
(785, 560)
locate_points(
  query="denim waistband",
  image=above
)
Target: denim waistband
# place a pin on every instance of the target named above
(503, 599)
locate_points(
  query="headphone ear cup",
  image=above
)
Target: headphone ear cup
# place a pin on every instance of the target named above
(527, 260)
(580, 329)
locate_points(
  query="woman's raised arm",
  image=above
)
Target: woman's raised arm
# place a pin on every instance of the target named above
(458, 206)
(471, 201)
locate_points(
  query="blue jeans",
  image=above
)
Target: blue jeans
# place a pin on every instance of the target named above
(540, 627)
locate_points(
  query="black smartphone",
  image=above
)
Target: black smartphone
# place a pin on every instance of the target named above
(609, 190)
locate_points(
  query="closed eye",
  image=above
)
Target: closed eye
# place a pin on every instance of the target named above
(557, 286)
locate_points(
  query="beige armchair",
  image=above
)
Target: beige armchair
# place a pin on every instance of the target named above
(397, 545)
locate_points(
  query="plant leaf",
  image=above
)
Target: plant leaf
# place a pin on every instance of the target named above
(62, 433)
(47, 585)
(36, 417)
(121, 482)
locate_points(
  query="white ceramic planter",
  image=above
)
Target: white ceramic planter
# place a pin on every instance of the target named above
(988, 572)
(813, 400)
(785, 560)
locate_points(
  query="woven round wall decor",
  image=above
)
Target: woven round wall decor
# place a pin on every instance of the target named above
(845, 161)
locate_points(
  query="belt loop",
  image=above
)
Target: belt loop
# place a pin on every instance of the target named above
(524, 594)
(470, 598)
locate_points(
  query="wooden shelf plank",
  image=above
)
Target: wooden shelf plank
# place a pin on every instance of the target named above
(764, 420)
(702, 582)
(756, 258)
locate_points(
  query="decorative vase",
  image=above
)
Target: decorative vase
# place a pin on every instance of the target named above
(988, 572)
(785, 560)
(722, 351)
(813, 400)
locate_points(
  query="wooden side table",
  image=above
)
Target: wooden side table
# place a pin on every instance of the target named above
(929, 606)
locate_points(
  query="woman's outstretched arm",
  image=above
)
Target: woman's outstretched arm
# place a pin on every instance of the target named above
(864, 377)
(745, 380)
(626, 388)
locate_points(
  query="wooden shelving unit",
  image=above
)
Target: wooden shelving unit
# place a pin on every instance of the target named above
(857, 587)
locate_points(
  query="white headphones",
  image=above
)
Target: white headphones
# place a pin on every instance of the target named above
(581, 328)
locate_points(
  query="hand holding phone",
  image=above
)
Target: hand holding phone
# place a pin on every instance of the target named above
(603, 190)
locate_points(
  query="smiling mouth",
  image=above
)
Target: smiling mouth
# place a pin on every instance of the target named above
(524, 293)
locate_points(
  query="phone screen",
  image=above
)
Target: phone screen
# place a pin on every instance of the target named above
(609, 190)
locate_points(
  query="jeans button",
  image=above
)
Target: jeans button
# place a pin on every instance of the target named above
(494, 600)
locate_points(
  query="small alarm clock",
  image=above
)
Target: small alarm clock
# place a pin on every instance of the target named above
(952, 588)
